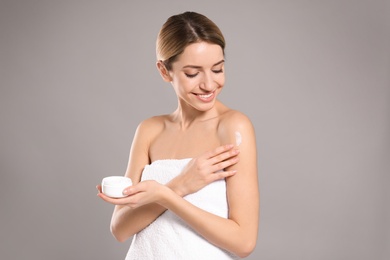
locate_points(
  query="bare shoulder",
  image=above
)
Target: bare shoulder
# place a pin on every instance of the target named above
(145, 134)
(235, 117)
(151, 127)
(153, 122)
(233, 124)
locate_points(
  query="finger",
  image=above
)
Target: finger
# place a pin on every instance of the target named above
(224, 164)
(224, 156)
(104, 196)
(131, 190)
(115, 201)
(219, 150)
(223, 174)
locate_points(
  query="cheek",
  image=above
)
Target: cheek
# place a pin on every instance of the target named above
(182, 85)
(221, 80)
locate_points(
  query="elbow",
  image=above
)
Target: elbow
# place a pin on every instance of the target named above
(246, 249)
(119, 238)
(117, 235)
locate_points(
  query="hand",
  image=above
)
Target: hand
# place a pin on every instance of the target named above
(143, 193)
(205, 169)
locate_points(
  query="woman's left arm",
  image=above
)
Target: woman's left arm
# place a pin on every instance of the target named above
(242, 189)
(238, 233)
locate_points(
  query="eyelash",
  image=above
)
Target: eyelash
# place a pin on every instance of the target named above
(191, 75)
(194, 75)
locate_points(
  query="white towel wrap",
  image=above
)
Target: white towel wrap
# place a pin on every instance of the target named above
(169, 237)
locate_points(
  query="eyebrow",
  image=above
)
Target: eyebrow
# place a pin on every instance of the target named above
(199, 67)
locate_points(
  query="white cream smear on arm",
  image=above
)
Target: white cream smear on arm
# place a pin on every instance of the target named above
(238, 138)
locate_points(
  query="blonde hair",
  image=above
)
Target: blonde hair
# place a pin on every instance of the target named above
(181, 30)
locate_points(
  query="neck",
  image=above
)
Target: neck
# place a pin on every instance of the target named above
(186, 116)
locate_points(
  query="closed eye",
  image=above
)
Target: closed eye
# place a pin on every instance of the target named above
(191, 75)
(218, 71)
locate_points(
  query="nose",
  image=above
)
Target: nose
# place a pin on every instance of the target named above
(207, 83)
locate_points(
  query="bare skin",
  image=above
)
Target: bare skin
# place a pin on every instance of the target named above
(204, 129)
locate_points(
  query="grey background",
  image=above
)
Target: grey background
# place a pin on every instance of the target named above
(78, 76)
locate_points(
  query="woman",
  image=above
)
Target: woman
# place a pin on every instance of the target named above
(195, 191)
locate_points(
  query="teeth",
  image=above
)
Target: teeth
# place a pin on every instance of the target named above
(205, 96)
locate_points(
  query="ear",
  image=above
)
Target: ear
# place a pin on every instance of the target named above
(163, 71)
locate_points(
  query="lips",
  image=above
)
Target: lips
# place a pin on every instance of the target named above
(206, 97)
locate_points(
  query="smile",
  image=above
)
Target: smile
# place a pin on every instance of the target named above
(206, 97)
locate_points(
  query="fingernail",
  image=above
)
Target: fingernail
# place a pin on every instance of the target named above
(125, 192)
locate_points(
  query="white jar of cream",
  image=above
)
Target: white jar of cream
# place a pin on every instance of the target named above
(113, 186)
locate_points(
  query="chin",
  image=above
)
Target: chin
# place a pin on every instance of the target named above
(206, 107)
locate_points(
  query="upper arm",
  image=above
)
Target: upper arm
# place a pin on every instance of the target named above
(242, 188)
(139, 151)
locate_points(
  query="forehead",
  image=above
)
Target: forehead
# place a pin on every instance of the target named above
(200, 54)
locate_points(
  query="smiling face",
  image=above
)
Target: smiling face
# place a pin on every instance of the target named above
(197, 75)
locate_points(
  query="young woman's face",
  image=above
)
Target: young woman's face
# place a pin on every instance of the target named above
(198, 75)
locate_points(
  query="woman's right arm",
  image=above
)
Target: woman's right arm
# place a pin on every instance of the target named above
(126, 222)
